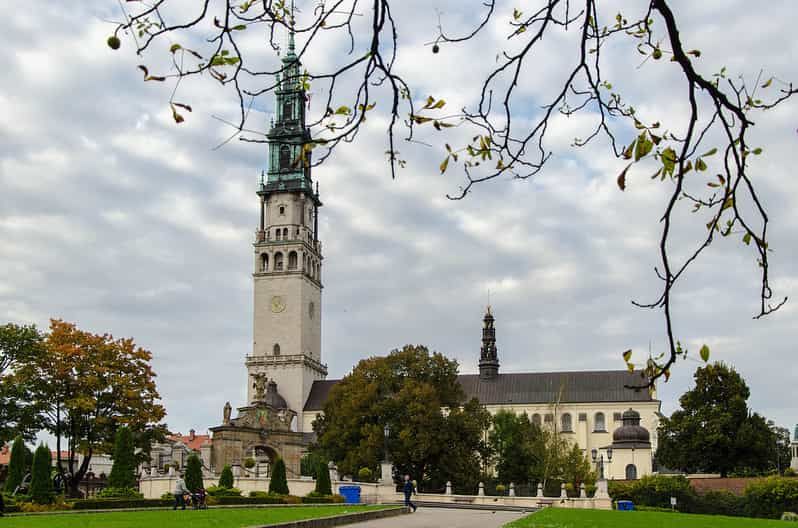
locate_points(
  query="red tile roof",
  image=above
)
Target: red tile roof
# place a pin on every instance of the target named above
(191, 440)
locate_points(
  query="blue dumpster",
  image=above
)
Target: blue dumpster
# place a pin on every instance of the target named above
(351, 494)
(625, 505)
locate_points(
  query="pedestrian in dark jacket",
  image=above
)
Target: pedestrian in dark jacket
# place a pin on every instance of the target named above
(409, 489)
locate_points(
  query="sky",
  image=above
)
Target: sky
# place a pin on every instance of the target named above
(117, 219)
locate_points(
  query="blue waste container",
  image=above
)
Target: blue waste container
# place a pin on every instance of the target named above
(626, 505)
(351, 494)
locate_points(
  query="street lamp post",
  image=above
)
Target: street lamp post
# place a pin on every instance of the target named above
(598, 459)
(387, 432)
(386, 466)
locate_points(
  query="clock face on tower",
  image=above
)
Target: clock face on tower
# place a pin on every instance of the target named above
(278, 304)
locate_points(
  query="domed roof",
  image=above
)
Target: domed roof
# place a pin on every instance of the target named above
(631, 433)
(272, 398)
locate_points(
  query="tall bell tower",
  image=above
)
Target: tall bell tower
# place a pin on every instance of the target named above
(287, 277)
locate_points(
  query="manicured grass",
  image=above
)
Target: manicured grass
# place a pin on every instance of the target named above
(562, 518)
(214, 518)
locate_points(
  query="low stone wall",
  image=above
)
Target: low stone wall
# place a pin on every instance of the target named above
(154, 487)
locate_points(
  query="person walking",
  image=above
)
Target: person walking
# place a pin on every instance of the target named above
(180, 492)
(409, 490)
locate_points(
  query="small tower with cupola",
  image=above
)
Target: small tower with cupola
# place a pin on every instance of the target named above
(288, 259)
(488, 357)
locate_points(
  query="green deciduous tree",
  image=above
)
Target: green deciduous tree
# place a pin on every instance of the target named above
(714, 431)
(323, 484)
(41, 484)
(194, 473)
(278, 483)
(226, 478)
(16, 465)
(88, 385)
(123, 471)
(19, 345)
(407, 391)
(518, 446)
(309, 463)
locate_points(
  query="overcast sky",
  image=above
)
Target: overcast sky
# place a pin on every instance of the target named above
(117, 219)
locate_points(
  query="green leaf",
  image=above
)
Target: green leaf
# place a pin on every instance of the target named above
(710, 152)
(704, 352)
(644, 146)
(240, 27)
(700, 165)
(175, 47)
(343, 110)
(747, 238)
(757, 151)
(627, 355)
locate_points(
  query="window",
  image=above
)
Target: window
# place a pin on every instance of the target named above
(278, 261)
(566, 424)
(631, 472)
(285, 157)
(282, 210)
(276, 349)
(264, 262)
(288, 111)
(598, 423)
(278, 234)
(536, 419)
(582, 417)
(549, 418)
(285, 233)
(292, 260)
(616, 417)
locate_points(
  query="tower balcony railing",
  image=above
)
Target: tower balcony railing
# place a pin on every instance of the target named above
(289, 359)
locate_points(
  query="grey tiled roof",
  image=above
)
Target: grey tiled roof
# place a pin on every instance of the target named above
(531, 387)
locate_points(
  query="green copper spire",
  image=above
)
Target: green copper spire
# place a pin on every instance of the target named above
(289, 169)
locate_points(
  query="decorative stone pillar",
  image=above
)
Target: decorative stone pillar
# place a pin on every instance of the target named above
(448, 487)
(481, 492)
(154, 471)
(512, 490)
(563, 494)
(333, 471)
(540, 490)
(601, 490)
(386, 470)
(582, 494)
(171, 471)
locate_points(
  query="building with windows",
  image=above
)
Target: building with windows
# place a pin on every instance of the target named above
(287, 385)
(794, 450)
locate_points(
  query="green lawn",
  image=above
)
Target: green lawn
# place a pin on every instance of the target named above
(214, 518)
(561, 518)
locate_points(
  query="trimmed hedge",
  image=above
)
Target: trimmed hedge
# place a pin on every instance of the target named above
(227, 501)
(114, 504)
(314, 498)
(771, 497)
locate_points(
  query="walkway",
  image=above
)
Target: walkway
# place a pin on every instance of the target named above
(444, 518)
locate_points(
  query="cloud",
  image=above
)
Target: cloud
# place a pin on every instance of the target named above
(115, 218)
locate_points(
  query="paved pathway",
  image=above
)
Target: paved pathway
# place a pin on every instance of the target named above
(444, 518)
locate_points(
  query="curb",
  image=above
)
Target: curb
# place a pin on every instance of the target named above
(339, 520)
(166, 508)
(489, 507)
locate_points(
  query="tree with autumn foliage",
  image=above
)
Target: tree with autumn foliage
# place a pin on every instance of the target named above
(88, 385)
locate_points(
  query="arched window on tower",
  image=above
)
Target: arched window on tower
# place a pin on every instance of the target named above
(598, 423)
(292, 260)
(278, 261)
(276, 349)
(536, 419)
(278, 234)
(285, 157)
(264, 262)
(285, 233)
(288, 109)
(631, 472)
(566, 423)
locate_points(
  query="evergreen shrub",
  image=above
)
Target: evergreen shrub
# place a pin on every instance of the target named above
(226, 478)
(41, 485)
(278, 483)
(123, 471)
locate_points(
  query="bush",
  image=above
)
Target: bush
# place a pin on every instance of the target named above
(32, 507)
(114, 504)
(16, 465)
(718, 503)
(771, 497)
(194, 473)
(323, 484)
(319, 498)
(219, 491)
(249, 463)
(41, 485)
(364, 474)
(230, 500)
(226, 478)
(120, 493)
(278, 483)
(790, 472)
(500, 489)
(309, 464)
(655, 491)
(123, 472)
